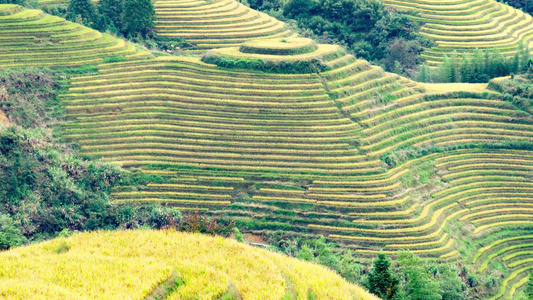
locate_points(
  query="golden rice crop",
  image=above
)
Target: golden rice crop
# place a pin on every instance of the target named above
(129, 264)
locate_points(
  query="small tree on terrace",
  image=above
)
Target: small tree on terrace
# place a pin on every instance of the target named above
(138, 17)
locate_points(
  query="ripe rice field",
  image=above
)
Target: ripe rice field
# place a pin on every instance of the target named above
(465, 25)
(138, 264)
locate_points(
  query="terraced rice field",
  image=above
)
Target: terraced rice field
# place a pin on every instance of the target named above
(306, 152)
(29, 37)
(465, 25)
(210, 24)
(215, 23)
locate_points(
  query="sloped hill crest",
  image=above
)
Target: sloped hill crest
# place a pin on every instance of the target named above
(132, 264)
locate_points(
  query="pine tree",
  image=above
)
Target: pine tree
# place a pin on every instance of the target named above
(424, 75)
(529, 287)
(478, 62)
(515, 65)
(466, 70)
(381, 281)
(445, 70)
(524, 59)
(453, 66)
(138, 17)
(499, 67)
(487, 61)
(83, 8)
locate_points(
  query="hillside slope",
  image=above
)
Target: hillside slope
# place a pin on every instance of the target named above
(467, 25)
(132, 264)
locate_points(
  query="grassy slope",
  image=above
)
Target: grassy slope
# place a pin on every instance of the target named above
(130, 264)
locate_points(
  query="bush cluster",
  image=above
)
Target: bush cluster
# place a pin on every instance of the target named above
(520, 88)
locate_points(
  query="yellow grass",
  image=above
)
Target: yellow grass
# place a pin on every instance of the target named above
(455, 87)
(129, 264)
(3, 118)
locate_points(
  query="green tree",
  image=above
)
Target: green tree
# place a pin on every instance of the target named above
(10, 235)
(297, 8)
(524, 59)
(487, 61)
(478, 62)
(424, 75)
(445, 70)
(515, 64)
(238, 235)
(398, 69)
(418, 283)
(381, 281)
(85, 9)
(138, 17)
(111, 12)
(498, 65)
(450, 284)
(453, 65)
(529, 287)
(466, 69)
